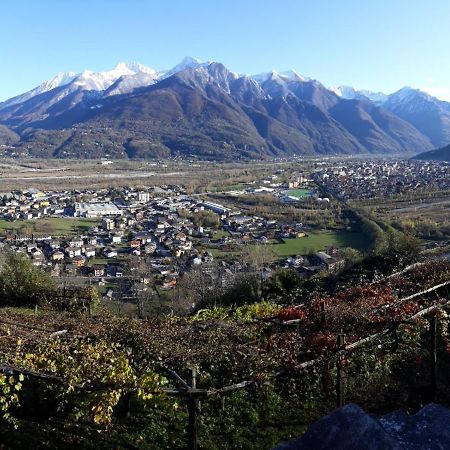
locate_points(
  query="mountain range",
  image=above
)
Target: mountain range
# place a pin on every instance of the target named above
(201, 109)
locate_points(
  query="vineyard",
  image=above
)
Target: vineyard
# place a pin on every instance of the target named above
(247, 377)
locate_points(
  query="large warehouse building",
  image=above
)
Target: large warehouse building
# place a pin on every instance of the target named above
(94, 210)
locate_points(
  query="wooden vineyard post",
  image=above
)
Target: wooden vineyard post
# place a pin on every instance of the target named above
(125, 406)
(433, 355)
(64, 306)
(339, 372)
(193, 412)
(323, 315)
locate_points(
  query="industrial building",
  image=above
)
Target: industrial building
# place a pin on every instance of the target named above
(94, 210)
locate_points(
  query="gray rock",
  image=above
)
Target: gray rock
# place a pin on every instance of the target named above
(350, 428)
(429, 429)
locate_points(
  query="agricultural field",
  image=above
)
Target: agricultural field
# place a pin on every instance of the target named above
(319, 240)
(53, 225)
(197, 177)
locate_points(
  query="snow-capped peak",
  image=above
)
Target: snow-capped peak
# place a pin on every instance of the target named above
(187, 63)
(346, 92)
(134, 68)
(61, 79)
(350, 93)
(89, 80)
(406, 91)
(293, 75)
(407, 94)
(100, 81)
(287, 75)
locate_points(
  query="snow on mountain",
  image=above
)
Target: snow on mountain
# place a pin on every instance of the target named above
(403, 95)
(100, 81)
(292, 75)
(61, 79)
(377, 97)
(412, 100)
(126, 77)
(128, 83)
(187, 63)
(406, 94)
(287, 75)
(350, 93)
(428, 114)
(302, 115)
(346, 92)
(136, 68)
(133, 75)
(146, 77)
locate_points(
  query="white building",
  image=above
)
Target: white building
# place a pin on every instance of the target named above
(93, 210)
(219, 209)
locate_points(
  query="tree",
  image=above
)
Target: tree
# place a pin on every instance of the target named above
(351, 256)
(404, 244)
(197, 289)
(258, 258)
(44, 227)
(205, 219)
(243, 289)
(26, 229)
(283, 282)
(21, 283)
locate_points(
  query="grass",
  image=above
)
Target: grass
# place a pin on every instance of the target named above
(94, 261)
(315, 241)
(20, 310)
(218, 234)
(52, 225)
(219, 253)
(121, 309)
(319, 240)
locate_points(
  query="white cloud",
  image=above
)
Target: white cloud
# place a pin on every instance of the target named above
(441, 93)
(430, 79)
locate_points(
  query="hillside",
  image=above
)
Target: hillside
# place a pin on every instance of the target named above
(263, 372)
(440, 154)
(7, 136)
(429, 115)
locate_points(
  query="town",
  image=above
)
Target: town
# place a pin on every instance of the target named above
(374, 178)
(129, 240)
(129, 236)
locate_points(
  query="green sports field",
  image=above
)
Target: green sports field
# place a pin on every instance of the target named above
(320, 240)
(299, 193)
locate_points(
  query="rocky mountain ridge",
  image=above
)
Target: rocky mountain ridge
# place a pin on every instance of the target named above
(201, 109)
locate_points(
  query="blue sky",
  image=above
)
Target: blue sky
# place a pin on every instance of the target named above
(378, 45)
